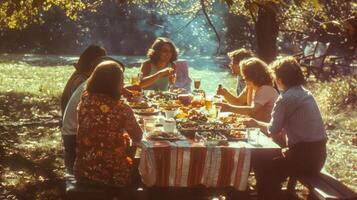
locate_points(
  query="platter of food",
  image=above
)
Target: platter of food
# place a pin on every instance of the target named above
(159, 95)
(160, 135)
(146, 111)
(230, 118)
(237, 135)
(140, 105)
(189, 128)
(196, 116)
(168, 104)
(211, 138)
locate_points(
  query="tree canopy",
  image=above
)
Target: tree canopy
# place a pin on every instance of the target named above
(19, 14)
(292, 14)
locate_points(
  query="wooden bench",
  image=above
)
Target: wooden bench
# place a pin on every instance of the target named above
(323, 187)
(78, 191)
(75, 190)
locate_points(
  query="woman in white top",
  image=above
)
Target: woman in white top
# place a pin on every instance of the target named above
(258, 98)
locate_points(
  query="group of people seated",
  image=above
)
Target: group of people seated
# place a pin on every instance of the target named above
(98, 126)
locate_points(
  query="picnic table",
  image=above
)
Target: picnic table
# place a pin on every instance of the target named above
(186, 163)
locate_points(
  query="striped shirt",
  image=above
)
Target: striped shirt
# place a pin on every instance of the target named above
(297, 112)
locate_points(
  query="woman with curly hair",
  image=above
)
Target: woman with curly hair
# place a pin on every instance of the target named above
(160, 65)
(258, 79)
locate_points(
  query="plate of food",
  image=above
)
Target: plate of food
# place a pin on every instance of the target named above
(230, 118)
(140, 105)
(189, 128)
(197, 116)
(159, 95)
(211, 138)
(146, 111)
(237, 135)
(169, 104)
(187, 125)
(160, 135)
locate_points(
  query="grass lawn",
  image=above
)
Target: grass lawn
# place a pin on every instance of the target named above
(31, 149)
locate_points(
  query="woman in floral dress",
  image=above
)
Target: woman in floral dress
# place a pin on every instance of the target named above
(105, 126)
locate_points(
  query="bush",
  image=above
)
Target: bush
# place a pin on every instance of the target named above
(338, 94)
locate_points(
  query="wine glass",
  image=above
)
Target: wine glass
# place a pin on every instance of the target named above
(172, 81)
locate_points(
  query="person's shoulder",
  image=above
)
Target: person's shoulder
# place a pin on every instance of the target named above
(146, 65)
(146, 62)
(269, 89)
(295, 93)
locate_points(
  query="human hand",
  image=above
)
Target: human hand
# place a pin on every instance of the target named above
(250, 122)
(166, 72)
(221, 90)
(131, 91)
(285, 151)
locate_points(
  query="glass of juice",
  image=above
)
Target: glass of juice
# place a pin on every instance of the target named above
(209, 103)
(134, 80)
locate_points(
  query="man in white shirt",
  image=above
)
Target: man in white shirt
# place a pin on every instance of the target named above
(69, 127)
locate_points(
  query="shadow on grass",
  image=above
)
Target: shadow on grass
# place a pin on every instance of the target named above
(30, 149)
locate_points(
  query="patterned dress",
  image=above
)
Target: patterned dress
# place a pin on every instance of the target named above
(104, 127)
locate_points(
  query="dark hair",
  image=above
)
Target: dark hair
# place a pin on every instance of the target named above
(106, 79)
(289, 71)
(154, 51)
(240, 54)
(257, 71)
(89, 55)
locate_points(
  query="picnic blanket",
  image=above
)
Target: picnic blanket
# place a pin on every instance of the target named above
(188, 164)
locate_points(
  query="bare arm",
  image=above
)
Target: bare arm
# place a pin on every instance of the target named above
(150, 79)
(240, 100)
(243, 110)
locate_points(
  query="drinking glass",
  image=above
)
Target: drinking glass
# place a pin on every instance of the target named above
(150, 124)
(217, 111)
(253, 135)
(172, 81)
(134, 80)
(209, 103)
(197, 83)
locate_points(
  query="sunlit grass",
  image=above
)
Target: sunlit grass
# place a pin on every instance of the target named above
(39, 81)
(16, 179)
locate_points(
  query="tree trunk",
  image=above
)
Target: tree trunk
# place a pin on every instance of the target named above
(266, 33)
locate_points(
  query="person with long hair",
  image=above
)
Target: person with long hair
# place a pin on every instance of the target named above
(106, 125)
(258, 79)
(236, 57)
(83, 69)
(296, 112)
(159, 66)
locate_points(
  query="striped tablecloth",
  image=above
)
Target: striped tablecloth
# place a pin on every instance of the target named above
(187, 164)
